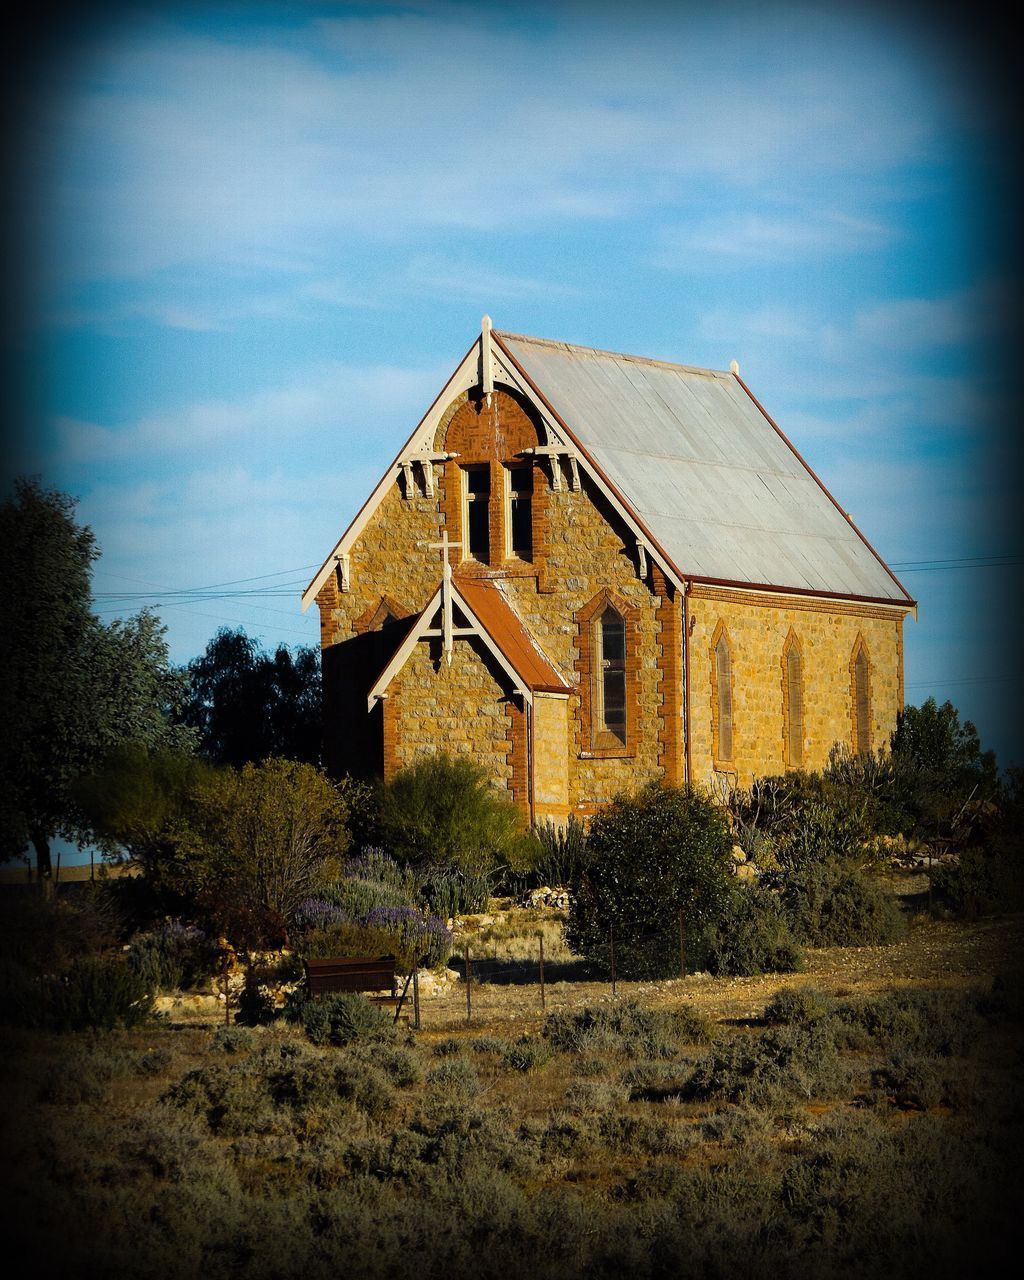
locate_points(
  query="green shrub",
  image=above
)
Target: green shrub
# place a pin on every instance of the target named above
(232, 1040)
(831, 906)
(455, 1078)
(255, 1004)
(624, 1028)
(651, 856)
(525, 1054)
(373, 880)
(233, 1100)
(174, 957)
(799, 1006)
(450, 892)
(788, 1062)
(341, 1018)
(445, 811)
(934, 1023)
(563, 855)
(100, 993)
(753, 936)
(977, 883)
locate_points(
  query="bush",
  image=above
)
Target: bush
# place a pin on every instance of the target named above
(977, 883)
(400, 932)
(651, 856)
(97, 993)
(753, 936)
(450, 892)
(563, 855)
(445, 810)
(373, 880)
(624, 1028)
(342, 1018)
(830, 906)
(791, 1061)
(798, 1005)
(525, 1054)
(455, 1078)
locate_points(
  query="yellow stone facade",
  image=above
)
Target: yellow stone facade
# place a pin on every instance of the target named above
(758, 626)
(587, 549)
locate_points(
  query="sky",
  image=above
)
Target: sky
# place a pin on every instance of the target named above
(253, 241)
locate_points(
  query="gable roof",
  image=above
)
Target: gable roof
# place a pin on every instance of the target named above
(689, 459)
(488, 616)
(712, 478)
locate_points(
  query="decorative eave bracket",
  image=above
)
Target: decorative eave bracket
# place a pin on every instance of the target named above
(425, 460)
(553, 452)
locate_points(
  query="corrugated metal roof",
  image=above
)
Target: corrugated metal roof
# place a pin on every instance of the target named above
(508, 632)
(720, 489)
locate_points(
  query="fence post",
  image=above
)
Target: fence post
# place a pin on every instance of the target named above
(540, 937)
(682, 944)
(469, 998)
(611, 947)
(416, 999)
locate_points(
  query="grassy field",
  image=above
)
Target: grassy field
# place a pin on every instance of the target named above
(862, 1118)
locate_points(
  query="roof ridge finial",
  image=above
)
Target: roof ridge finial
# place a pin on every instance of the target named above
(486, 368)
(734, 367)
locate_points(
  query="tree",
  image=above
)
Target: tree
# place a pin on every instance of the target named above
(260, 841)
(247, 705)
(650, 856)
(949, 778)
(71, 688)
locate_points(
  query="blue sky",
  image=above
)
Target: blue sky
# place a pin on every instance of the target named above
(257, 239)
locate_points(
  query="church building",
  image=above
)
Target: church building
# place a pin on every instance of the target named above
(588, 571)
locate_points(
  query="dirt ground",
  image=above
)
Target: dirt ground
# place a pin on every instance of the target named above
(933, 954)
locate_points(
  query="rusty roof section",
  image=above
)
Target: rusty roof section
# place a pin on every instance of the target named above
(706, 471)
(494, 612)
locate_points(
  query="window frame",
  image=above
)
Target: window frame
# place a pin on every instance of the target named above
(470, 500)
(595, 740)
(723, 690)
(510, 497)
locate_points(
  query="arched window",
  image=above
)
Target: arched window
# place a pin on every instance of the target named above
(721, 705)
(793, 702)
(609, 675)
(860, 694)
(611, 672)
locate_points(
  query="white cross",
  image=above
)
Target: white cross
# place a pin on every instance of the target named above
(446, 590)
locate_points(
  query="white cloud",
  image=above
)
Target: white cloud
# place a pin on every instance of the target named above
(757, 237)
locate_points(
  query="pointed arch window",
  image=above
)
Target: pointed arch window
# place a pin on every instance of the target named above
(611, 666)
(860, 697)
(722, 698)
(793, 702)
(608, 669)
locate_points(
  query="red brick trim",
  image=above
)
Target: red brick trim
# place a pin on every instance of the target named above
(327, 601)
(390, 713)
(592, 739)
(859, 647)
(721, 763)
(792, 642)
(670, 676)
(373, 615)
(518, 779)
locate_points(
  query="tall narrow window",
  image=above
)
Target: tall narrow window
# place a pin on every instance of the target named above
(519, 513)
(861, 702)
(612, 673)
(477, 524)
(794, 705)
(723, 695)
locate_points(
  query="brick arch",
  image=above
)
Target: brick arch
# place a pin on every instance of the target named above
(723, 760)
(479, 432)
(792, 702)
(592, 740)
(860, 696)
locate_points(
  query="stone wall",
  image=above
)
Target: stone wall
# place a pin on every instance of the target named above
(460, 709)
(758, 626)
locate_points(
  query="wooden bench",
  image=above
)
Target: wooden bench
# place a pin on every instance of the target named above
(355, 973)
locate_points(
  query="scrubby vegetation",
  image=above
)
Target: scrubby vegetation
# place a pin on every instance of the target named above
(839, 1137)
